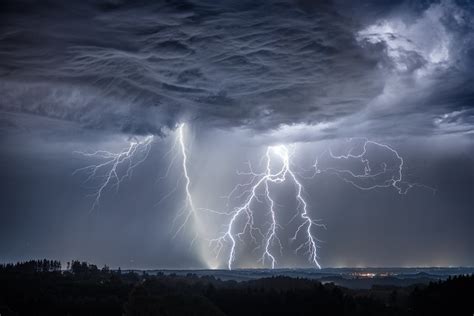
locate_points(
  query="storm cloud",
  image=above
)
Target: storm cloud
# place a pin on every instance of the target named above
(82, 76)
(143, 67)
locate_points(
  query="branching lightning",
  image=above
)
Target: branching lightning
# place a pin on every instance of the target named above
(369, 179)
(278, 169)
(115, 167)
(262, 181)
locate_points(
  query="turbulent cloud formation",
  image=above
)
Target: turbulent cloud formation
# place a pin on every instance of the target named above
(428, 58)
(81, 77)
(142, 67)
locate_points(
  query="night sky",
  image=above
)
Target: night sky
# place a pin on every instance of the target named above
(82, 76)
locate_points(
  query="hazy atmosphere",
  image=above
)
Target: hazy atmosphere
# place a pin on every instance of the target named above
(353, 122)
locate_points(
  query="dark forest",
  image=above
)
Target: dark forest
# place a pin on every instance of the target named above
(42, 288)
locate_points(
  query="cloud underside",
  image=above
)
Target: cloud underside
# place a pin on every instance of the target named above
(142, 68)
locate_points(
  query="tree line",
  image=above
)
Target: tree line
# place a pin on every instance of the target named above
(40, 287)
(32, 266)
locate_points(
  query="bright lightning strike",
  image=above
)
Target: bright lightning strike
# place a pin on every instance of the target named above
(115, 167)
(369, 179)
(189, 209)
(262, 181)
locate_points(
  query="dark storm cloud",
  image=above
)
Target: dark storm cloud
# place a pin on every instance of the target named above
(142, 66)
(87, 75)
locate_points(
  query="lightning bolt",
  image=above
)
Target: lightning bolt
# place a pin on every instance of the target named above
(270, 237)
(179, 151)
(188, 210)
(116, 167)
(369, 179)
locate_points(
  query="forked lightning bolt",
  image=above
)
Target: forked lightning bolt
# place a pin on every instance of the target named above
(383, 177)
(262, 181)
(115, 166)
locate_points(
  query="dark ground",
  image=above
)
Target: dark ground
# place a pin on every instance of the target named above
(42, 288)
